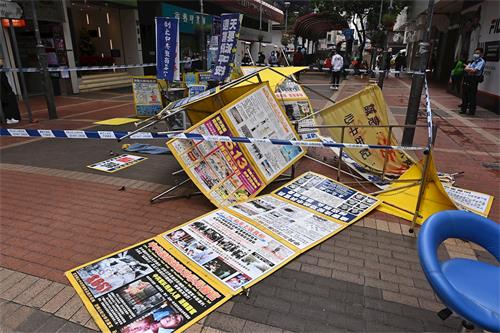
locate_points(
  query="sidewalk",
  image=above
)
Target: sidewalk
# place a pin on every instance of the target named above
(57, 214)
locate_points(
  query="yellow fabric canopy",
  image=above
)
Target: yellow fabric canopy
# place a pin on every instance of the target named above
(269, 75)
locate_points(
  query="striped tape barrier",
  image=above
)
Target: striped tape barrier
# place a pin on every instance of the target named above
(81, 68)
(76, 134)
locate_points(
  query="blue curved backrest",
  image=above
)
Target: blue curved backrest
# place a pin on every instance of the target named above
(465, 226)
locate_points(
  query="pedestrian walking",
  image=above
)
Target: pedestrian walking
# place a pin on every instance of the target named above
(337, 67)
(473, 75)
(398, 63)
(10, 106)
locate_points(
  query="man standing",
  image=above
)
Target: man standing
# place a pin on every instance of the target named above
(337, 66)
(472, 76)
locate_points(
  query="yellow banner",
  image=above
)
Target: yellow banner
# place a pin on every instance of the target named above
(402, 199)
(366, 108)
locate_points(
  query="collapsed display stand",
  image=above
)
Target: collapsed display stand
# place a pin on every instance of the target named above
(164, 195)
(427, 149)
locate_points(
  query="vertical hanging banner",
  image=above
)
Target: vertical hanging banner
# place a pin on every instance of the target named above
(167, 49)
(230, 33)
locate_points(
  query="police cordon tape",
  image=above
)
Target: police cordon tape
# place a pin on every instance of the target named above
(429, 112)
(77, 134)
(81, 68)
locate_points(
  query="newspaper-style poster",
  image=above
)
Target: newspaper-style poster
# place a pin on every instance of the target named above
(117, 163)
(147, 96)
(471, 201)
(297, 110)
(229, 248)
(328, 197)
(221, 170)
(258, 115)
(143, 289)
(290, 90)
(296, 225)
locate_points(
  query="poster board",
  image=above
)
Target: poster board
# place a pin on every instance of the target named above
(147, 96)
(229, 172)
(143, 284)
(117, 163)
(298, 109)
(471, 201)
(288, 89)
(203, 77)
(190, 78)
(258, 115)
(195, 89)
(187, 272)
(229, 249)
(327, 197)
(221, 170)
(366, 108)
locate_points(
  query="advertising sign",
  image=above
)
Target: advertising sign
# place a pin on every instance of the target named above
(230, 249)
(167, 49)
(328, 197)
(290, 90)
(258, 115)
(147, 96)
(143, 289)
(220, 169)
(296, 225)
(471, 201)
(366, 108)
(195, 89)
(296, 110)
(230, 33)
(117, 163)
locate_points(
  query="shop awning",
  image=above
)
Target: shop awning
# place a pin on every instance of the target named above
(314, 26)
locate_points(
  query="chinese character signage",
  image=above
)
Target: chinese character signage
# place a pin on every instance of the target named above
(230, 32)
(368, 110)
(167, 49)
(147, 96)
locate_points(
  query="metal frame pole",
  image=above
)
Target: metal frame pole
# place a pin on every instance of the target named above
(339, 166)
(24, 90)
(42, 59)
(421, 190)
(386, 153)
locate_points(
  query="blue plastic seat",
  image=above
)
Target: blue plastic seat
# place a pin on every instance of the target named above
(470, 288)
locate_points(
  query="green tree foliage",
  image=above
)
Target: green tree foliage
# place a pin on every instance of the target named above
(364, 14)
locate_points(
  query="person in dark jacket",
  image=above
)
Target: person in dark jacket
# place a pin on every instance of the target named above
(9, 99)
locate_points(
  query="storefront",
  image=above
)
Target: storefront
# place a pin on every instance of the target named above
(52, 24)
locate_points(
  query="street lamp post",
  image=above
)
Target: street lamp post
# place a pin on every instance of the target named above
(287, 4)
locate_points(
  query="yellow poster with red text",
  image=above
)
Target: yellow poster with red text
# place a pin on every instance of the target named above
(364, 112)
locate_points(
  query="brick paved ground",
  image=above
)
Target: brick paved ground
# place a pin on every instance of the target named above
(365, 279)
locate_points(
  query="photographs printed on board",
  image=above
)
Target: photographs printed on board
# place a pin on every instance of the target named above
(327, 197)
(229, 248)
(295, 224)
(259, 116)
(113, 272)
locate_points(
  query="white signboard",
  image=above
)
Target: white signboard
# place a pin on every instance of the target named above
(298, 226)
(117, 163)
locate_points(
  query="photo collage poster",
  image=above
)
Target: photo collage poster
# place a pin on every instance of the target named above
(147, 96)
(297, 110)
(144, 289)
(323, 195)
(230, 249)
(221, 170)
(298, 226)
(258, 115)
(173, 280)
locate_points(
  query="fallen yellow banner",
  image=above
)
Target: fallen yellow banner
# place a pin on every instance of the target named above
(368, 110)
(401, 198)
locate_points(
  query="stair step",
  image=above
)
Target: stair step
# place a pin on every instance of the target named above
(103, 75)
(104, 80)
(104, 85)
